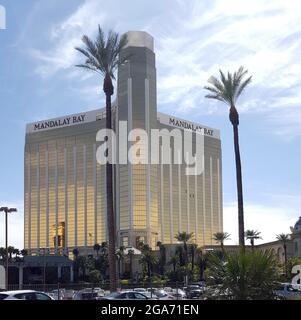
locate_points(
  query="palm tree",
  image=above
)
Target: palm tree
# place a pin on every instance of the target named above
(75, 252)
(228, 89)
(284, 238)
(10, 250)
(250, 275)
(221, 237)
(102, 56)
(252, 235)
(184, 237)
(120, 256)
(2, 253)
(174, 260)
(148, 259)
(193, 250)
(24, 252)
(131, 254)
(162, 255)
(96, 248)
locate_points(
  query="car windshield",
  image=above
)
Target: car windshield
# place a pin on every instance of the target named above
(160, 294)
(114, 294)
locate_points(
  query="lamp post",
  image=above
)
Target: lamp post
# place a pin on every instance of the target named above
(6, 210)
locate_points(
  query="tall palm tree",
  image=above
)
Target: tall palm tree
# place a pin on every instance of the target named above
(228, 89)
(184, 237)
(102, 56)
(221, 237)
(252, 235)
(284, 238)
(96, 248)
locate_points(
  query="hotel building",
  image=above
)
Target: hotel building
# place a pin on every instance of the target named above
(65, 190)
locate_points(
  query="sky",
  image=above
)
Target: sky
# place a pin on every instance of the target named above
(193, 40)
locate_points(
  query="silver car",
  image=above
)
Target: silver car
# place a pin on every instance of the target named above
(24, 295)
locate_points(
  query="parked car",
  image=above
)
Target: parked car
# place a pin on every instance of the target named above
(142, 290)
(178, 294)
(125, 295)
(86, 294)
(288, 291)
(193, 291)
(163, 295)
(24, 295)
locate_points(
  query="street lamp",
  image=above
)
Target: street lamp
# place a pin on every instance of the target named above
(6, 210)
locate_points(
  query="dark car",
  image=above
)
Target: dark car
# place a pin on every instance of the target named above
(193, 291)
(126, 295)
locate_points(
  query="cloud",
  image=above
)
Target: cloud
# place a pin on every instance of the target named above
(65, 36)
(15, 226)
(269, 220)
(193, 40)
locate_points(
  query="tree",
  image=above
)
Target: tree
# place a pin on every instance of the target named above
(75, 252)
(228, 89)
(2, 253)
(102, 56)
(284, 238)
(250, 275)
(162, 257)
(16, 252)
(81, 262)
(184, 237)
(24, 252)
(174, 260)
(193, 249)
(252, 235)
(148, 259)
(120, 257)
(221, 237)
(94, 277)
(96, 248)
(131, 254)
(10, 250)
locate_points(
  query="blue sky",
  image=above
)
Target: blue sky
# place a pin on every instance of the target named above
(193, 39)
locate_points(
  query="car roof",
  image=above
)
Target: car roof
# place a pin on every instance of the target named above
(17, 292)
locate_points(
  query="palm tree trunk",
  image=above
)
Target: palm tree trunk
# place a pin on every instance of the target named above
(285, 259)
(252, 244)
(108, 89)
(241, 231)
(223, 249)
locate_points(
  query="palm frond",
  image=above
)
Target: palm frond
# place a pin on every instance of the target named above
(243, 86)
(103, 53)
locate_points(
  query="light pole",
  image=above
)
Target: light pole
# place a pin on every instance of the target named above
(6, 210)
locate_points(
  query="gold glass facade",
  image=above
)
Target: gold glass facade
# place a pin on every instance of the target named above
(65, 191)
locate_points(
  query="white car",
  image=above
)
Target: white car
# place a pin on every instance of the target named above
(24, 295)
(141, 290)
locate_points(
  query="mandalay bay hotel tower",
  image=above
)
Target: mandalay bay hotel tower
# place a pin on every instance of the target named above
(65, 189)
